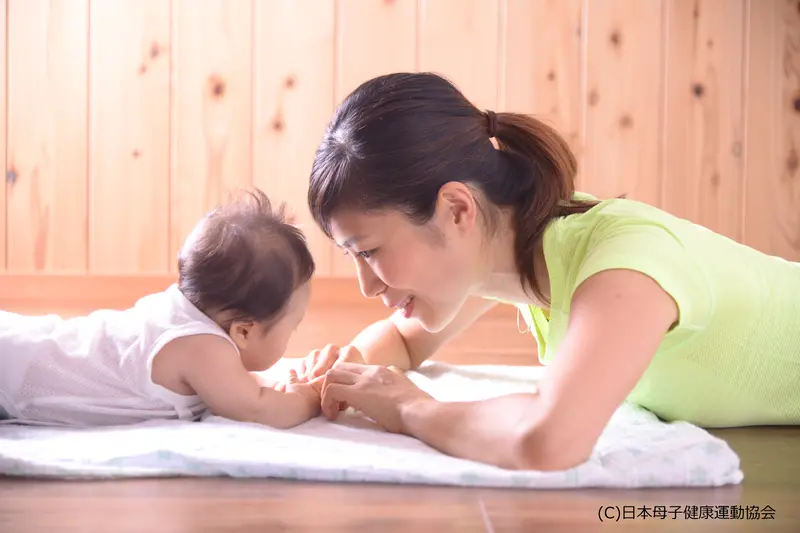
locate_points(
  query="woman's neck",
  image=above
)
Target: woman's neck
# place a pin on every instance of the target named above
(500, 278)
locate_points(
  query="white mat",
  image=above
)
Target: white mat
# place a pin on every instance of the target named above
(636, 449)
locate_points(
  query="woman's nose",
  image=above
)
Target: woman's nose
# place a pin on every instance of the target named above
(370, 284)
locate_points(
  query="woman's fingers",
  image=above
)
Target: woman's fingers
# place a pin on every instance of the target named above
(339, 377)
(353, 368)
(350, 354)
(338, 390)
(333, 396)
(318, 362)
(325, 360)
(317, 383)
(307, 364)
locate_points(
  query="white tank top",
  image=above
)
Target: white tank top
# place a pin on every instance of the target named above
(96, 370)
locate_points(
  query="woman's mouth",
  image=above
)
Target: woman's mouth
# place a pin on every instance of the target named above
(406, 307)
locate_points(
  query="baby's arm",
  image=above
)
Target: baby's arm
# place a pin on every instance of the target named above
(211, 367)
(269, 381)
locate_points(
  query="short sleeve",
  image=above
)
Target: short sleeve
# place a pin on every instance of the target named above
(652, 249)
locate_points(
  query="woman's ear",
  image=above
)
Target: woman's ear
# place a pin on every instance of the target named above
(457, 206)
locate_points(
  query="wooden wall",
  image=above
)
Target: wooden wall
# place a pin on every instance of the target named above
(125, 120)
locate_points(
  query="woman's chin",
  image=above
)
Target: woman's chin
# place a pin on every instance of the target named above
(430, 328)
(431, 322)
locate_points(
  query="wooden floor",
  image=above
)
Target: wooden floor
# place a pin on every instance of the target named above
(770, 461)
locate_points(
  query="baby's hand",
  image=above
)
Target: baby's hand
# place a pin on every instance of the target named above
(310, 390)
(283, 382)
(280, 386)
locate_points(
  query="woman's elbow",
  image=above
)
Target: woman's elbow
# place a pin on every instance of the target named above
(541, 450)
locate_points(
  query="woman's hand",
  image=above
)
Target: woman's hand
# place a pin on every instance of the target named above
(318, 362)
(381, 393)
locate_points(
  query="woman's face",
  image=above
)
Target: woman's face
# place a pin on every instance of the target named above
(424, 272)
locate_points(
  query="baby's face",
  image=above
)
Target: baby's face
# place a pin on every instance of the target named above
(266, 345)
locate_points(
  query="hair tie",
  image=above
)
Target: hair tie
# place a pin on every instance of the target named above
(492, 120)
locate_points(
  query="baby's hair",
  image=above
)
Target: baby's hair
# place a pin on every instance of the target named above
(244, 259)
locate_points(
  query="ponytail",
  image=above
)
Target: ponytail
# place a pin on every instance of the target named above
(538, 155)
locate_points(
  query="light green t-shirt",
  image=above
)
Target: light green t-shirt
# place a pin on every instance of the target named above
(734, 357)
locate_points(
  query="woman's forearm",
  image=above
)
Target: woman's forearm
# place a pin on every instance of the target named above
(487, 431)
(381, 344)
(507, 431)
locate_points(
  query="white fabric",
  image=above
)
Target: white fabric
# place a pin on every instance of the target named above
(95, 369)
(636, 449)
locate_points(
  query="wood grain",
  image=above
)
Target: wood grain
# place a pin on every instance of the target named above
(372, 38)
(460, 40)
(47, 135)
(694, 113)
(294, 51)
(703, 118)
(211, 109)
(622, 128)
(130, 131)
(542, 63)
(772, 147)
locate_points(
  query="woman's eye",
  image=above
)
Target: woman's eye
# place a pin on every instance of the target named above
(366, 254)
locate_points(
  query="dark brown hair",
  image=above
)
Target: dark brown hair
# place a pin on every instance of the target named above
(245, 257)
(398, 138)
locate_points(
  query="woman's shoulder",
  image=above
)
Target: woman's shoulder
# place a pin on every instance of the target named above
(623, 234)
(622, 209)
(612, 217)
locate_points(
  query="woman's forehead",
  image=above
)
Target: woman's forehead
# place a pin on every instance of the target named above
(349, 227)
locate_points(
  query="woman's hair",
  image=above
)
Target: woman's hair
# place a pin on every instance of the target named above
(246, 258)
(398, 138)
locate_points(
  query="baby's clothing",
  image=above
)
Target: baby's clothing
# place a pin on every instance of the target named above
(95, 370)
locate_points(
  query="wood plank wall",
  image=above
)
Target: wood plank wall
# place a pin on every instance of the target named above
(125, 120)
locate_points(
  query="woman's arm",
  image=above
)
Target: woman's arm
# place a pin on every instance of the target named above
(617, 321)
(395, 341)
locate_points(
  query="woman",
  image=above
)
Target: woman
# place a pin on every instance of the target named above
(447, 211)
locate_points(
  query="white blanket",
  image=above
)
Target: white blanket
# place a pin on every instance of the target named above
(635, 450)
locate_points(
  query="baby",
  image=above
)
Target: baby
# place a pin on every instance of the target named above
(243, 289)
